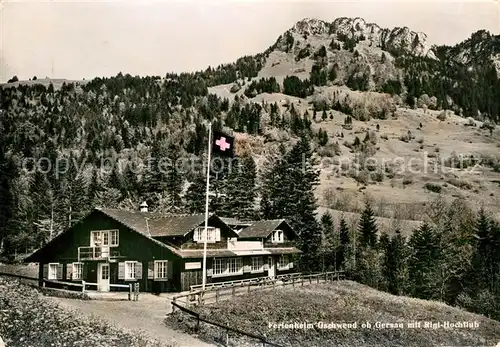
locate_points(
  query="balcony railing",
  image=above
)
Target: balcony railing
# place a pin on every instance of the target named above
(97, 253)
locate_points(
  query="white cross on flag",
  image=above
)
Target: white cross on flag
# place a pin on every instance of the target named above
(223, 144)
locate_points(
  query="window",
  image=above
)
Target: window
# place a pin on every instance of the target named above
(100, 238)
(161, 269)
(283, 262)
(219, 266)
(257, 264)
(95, 239)
(235, 265)
(114, 237)
(213, 234)
(105, 238)
(130, 270)
(53, 271)
(77, 271)
(227, 266)
(277, 236)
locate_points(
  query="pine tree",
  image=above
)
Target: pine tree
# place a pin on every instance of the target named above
(288, 192)
(330, 243)
(394, 267)
(367, 228)
(195, 195)
(424, 255)
(323, 115)
(344, 251)
(241, 192)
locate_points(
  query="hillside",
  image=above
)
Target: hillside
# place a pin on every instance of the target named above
(331, 116)
(346, 302)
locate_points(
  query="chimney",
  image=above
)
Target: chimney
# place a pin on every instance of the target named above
(144, 207)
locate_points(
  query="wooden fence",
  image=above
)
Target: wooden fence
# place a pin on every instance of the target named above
(133, 288)
(226, 328)
(218, 291)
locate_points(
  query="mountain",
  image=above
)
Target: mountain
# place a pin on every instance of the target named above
(381, 115)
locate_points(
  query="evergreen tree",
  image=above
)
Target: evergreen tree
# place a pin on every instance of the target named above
(394, 267)
(288, 192)
(424, 255)
(195, 195)
(239, 201)
(330, 243)
(367, 227)
(344, 243)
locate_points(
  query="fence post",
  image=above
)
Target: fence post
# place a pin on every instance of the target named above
(217, 295)
(293, 282)
(136, 291)
(129, 291)
(233, 291)
(173, 306)
(337, 275)
(83, 287)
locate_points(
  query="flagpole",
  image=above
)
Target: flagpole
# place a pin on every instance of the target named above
(206, 207)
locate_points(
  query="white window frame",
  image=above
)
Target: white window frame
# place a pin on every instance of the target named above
(283, 262)
(128, 266)
(113, 233)
(219, 266)
(198, 234)
(278, 236)
(102, 236)
(223, 266)
(257, 264)
(77, 273)
(161, 265)
(52, 271)
(238, 266)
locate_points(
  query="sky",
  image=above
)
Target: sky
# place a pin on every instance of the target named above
(85, 39)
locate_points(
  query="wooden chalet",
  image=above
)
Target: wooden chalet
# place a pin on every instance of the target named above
(164, 253)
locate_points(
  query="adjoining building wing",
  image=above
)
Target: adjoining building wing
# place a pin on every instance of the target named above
(164, 252)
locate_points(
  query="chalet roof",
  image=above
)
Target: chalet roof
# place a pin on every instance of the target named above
(261, 228)
(225, 253)
(157, 224)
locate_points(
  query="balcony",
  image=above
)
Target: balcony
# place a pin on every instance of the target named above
(97, 253)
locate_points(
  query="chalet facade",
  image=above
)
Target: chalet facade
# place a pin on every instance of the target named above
(164, 253)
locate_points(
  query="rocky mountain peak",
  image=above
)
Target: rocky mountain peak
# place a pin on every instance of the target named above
(397, 40)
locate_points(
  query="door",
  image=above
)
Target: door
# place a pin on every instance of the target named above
(103, 277)
(272, 267)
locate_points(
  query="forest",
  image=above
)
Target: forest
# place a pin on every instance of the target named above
(105, 142)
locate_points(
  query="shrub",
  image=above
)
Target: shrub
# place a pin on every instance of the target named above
(433, 187)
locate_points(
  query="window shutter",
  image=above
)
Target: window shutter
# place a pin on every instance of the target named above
(121, 271)
(170, 269)
(151, 270)
(195, 235)
(45, 271)
(217, 234)
(290, 265)
(138, 270)
(59, 271)
(209, 272)
(69, 272)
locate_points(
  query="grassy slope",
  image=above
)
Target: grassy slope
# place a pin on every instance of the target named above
(29, 319)
(348, 301)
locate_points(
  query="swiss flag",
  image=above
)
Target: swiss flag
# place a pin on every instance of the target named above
(223, 144)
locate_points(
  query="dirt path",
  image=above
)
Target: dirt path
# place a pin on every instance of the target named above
(145, 315)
